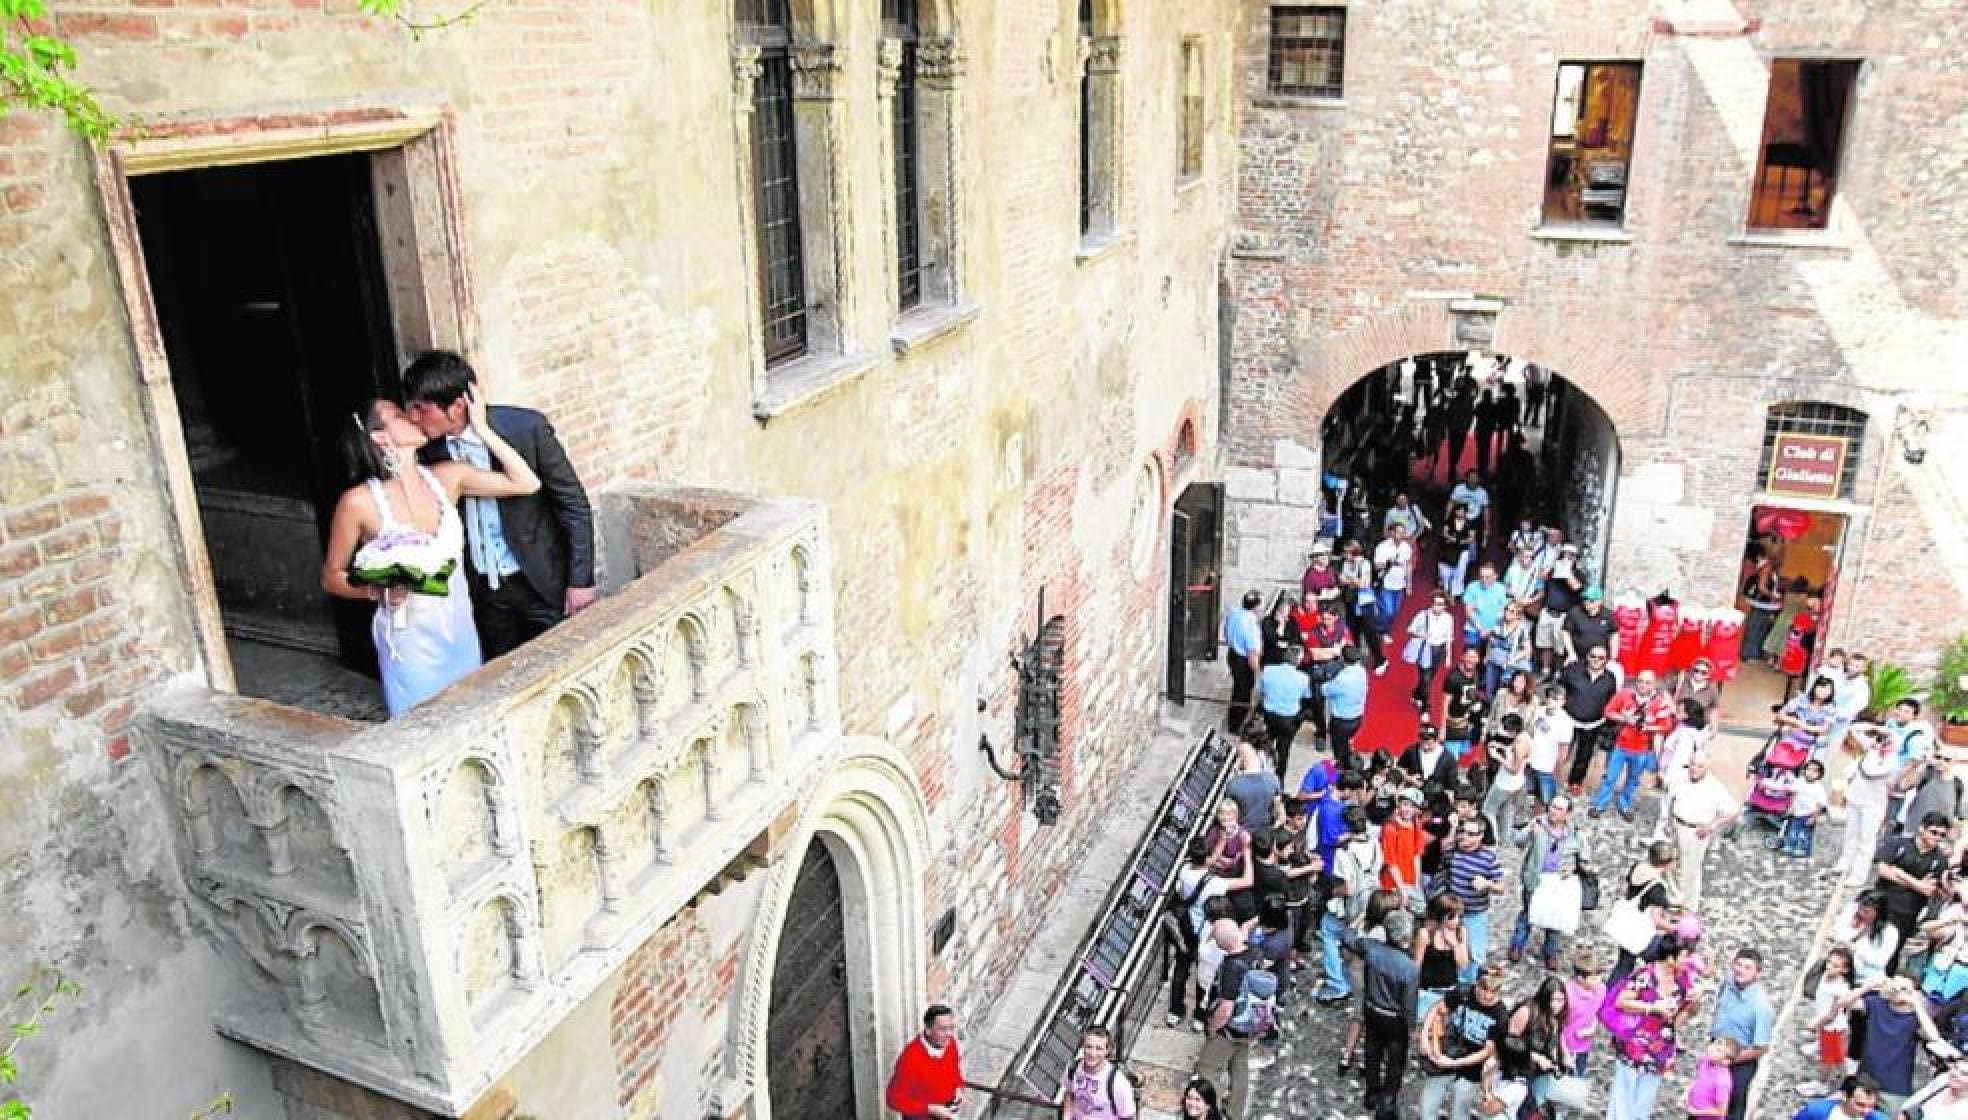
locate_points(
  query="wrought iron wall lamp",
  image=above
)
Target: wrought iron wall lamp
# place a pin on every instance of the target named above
(1040, 667)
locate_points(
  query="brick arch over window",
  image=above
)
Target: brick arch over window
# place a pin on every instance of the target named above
(1600, 365)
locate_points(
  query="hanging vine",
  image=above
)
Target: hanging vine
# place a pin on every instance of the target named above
(37, 65)
(37, 72)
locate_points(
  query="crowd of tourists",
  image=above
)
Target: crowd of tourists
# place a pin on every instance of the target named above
(1363, 876)
(1392, 861)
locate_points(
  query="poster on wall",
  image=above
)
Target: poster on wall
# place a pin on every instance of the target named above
(1804, 466)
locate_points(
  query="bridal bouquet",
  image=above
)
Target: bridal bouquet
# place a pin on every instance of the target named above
(409, 560)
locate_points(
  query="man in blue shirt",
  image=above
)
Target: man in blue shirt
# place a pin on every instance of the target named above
(1242, 642)
(1346, 702)
(1282, 690)
(1327, 824)
(1484, 601)
(1744, 1015)
(1858, 1101)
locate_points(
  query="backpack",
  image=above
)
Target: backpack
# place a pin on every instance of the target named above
(1177, 907)
(1134, 1081)
(1256, 1010)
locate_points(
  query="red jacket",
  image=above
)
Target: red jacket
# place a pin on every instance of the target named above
(921, 1080)
(1655, 718)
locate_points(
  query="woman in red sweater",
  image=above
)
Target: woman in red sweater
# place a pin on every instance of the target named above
(928, 1077)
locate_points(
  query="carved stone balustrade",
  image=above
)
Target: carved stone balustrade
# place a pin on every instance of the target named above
(415, 904)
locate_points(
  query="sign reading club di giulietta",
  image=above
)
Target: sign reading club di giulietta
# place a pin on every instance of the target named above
(1806, 466)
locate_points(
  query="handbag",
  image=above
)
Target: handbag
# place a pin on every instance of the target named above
(1629, 927)
(1414, 651)
(1554, 904)
(1570, 1091)
(1588, 889)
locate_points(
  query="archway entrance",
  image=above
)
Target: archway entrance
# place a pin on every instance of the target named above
(1544, 448)
(809, 1036)
(1530, 456)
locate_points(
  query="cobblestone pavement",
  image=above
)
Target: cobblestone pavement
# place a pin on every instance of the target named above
(1753, 897)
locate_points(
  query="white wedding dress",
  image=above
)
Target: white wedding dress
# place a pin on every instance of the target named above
(430, 640)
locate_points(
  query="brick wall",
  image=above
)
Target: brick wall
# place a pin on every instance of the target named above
(1358, 220)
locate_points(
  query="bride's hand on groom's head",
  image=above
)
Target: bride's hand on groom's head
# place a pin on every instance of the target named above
(475, 410)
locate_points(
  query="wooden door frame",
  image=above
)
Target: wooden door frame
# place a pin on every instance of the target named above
(420, 223)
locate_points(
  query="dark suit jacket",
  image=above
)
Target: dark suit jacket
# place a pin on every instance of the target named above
(551, 531)
(1444, 771)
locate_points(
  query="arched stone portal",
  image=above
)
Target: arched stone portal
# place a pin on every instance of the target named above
(1595, 361)
(1372, 424)
(868, 816)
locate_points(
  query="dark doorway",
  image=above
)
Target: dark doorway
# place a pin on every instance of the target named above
(809, 1039)
(1195, 538)
(270, 292)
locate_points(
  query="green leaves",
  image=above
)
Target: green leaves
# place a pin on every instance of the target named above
(34, 997)
(37, 73)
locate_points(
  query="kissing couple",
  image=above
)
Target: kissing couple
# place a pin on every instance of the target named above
(465, 525)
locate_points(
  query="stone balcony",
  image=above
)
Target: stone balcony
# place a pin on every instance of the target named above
(414, 905)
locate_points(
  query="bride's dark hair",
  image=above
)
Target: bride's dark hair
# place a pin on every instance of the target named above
(360, 454)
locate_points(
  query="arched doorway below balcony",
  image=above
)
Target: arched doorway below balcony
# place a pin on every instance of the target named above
(810, 1037)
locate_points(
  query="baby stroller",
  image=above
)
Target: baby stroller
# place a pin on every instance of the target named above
(1773, 776)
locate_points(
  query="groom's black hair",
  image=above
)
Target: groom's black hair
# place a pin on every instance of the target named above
(438, 376)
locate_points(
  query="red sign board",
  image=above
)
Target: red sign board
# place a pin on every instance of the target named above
(1806, 466)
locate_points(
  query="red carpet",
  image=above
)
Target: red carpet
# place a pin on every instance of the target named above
(1391, 722)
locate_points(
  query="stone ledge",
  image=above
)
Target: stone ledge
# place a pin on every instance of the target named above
(1817, 239)
(1257, 253)
(925, 325)
(1588, 234)
(805, 380)
(1297, 101)
(1099, 246)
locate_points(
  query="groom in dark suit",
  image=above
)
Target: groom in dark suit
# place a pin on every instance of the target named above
(530, 560)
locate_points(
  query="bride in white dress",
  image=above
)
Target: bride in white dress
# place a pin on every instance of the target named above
(423, 641)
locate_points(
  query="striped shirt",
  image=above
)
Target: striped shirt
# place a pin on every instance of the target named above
(1465, 868)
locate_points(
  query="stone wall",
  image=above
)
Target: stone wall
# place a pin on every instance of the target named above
(1361, 219)
(596, 202)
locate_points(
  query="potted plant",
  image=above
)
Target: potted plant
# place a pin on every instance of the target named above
(1890, 684)
(1949, 696)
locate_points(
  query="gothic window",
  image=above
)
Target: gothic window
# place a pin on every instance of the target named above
(1191, 152)
(775, 181)
(919, 79)
(900, 26)
(1086, 122)
(786, 86)
(1099, 131)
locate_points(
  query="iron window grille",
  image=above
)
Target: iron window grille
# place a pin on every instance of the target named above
(1815, 418)
(900, 23)
(1086, 124)
(767, 24)
(1308, 51)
